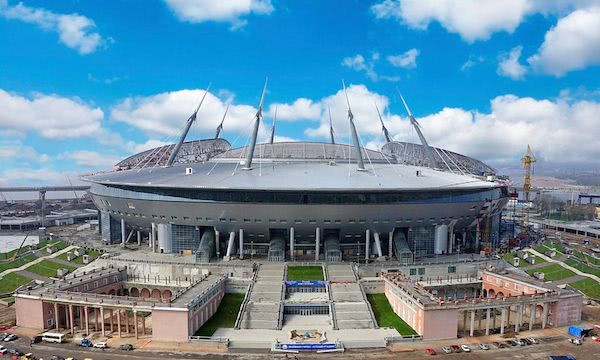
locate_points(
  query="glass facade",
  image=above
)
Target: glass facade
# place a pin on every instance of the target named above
(421, 240)
(185, 238)
(110, 228)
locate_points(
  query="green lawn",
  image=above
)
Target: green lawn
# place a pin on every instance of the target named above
(10, 282)
(588, 286)
(48, 268)
(583, 256)
(509, 258)
(305, 273)
(16, 263)
(553, 272)
(386, 317)
(59, 245)
(556, 246)
(582, 267)
(225, 315)
(79, 260)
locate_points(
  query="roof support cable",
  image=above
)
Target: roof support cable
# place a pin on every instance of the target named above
(466, 171)
(438, 153)
(452, 160)
(172, 147)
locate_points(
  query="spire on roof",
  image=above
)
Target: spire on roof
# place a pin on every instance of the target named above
(355, 140)
(257, 118)
(220, 127)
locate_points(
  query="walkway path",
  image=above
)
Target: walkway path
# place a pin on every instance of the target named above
(576, 271)
(38, 260)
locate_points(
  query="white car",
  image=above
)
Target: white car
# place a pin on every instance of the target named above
(11, 337)
(484, 346)
(465, 348)
(447, 350)
(101, 345)
(533, 340)
(3, 350)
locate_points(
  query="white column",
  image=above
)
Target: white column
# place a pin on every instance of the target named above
(367, 241)
(471, 329)
(292, 254)
(531, 316)
(390, 243)
(164, 238)
(230, 244)
(241, 243)
(518, 318)
(139, 238)
(218, 247)
(503, 320)
(377, 244)
(317, 243)
(487, 321)
(544, 315)
(123, 232)
(152, 240)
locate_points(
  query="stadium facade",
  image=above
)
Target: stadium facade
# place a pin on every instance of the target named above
(301, 200)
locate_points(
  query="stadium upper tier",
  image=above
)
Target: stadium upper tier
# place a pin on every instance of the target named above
(294, 166)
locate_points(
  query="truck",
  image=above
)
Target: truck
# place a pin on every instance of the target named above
(85, 342)
(579, 331)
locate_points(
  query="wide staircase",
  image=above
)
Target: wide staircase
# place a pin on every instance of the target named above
(349, 301)
(263, 310)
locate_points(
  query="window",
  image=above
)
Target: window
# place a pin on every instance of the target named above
(421, 271)
(451, 269)
(187, 218)
(105, 281)
(413, 271)
(247, 220)
(85, 287)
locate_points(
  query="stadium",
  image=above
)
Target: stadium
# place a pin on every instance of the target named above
(301, 200)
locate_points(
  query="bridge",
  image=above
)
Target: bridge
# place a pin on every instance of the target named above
(42, 190)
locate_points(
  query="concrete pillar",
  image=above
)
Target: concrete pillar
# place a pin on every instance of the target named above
(119, 322)
(378, 244)
(87, 318)
(102, 321)
(544, 315)
(464, 322)
(56, 316)
(67, 323)
(531, 316)
(71, 320)
(139, 238)
(292, 253)
(112, 324)
(127, 321)
(487, 321)
(367, 245)
(241, 244)
(135, 325)
(153, 233)
(502, 320)
(123, 232)
(164, 238)
(518, 318)
(508, 317)
(81, 327)
(471, 328)
(390, 243)
(317, 243)
(143, 325)
(217, 244)
(230, 244)
(95, 319)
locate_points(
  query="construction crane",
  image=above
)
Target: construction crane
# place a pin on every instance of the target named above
(527, 161)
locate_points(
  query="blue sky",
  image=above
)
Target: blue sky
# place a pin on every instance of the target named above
(84, 83)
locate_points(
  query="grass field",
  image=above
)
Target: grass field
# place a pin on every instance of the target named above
(589, 287)
(79, 260)
(582, 267)
(10, 282)
(509, 258)
(556, 246)
(225, 315)
(386, 317)
(582, 256)
(304, 273)
(48, 268)
(553, 272)
(14, 264)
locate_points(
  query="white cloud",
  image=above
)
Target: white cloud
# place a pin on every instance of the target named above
(406, 60)
(165, 114)
(510, 66)
(51, 116)
(16, 150)
(37, 176)
(472, 19)
(91, 159)
(471, 62)
(74, 30)
(360, 64)
(573, 44)
(232, 11)
(301, 109)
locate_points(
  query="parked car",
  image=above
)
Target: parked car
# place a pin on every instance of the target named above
(126, 347)
(575, 341)
(465, 348)
(36, 339)
(57, 357)
(533, 340)
(15, 352)
(430, 351)
(101, 345)
(527, 341)
(446, 349)
(85, 342)
(3, 336)
(11, 337)
(519, 342)
(3, 350)
(484, 346)
(455, 348)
